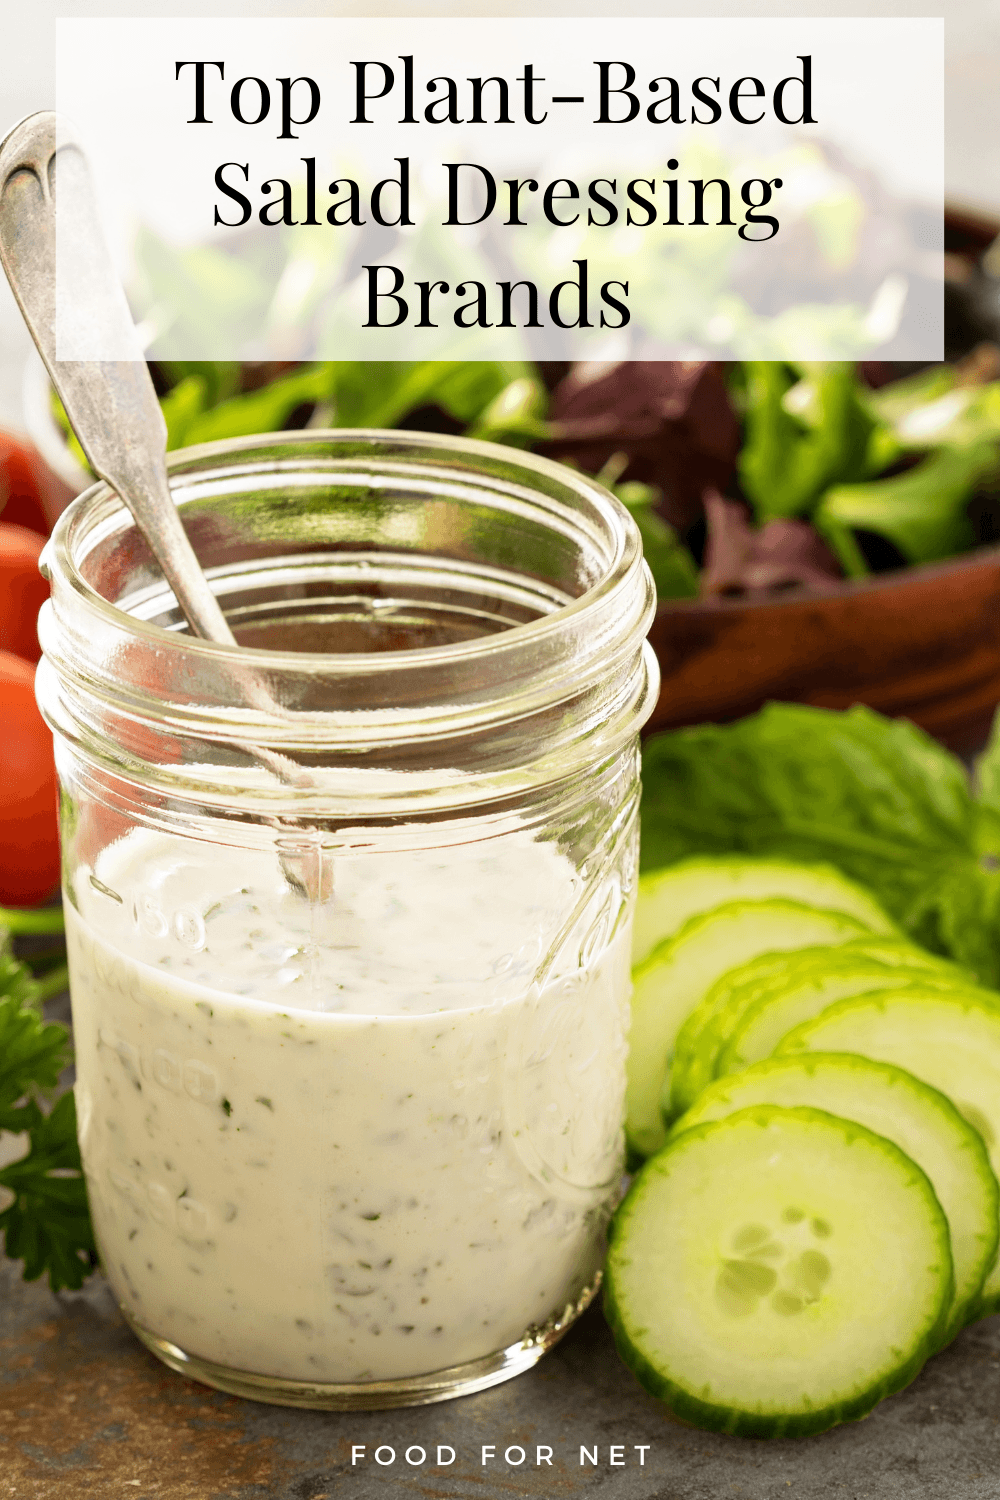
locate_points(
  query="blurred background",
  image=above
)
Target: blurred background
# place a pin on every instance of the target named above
(972, 70)
(819, 533)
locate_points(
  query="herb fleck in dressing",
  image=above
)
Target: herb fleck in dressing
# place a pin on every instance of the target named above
(354, 1144)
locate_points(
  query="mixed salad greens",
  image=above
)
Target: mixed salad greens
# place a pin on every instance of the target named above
(900, 463)
(743, 478)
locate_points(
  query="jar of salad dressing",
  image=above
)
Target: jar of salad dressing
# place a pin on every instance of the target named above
(352, 1135)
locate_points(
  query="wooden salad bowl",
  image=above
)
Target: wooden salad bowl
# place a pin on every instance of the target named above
(922, 642)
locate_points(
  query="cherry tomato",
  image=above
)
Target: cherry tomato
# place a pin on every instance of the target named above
(95, 825)
(21, 500)
(23, 590)
(29, 830)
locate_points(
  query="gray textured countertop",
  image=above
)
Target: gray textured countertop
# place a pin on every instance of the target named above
(85, 1411)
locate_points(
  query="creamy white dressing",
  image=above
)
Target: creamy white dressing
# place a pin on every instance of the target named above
(357, 1143)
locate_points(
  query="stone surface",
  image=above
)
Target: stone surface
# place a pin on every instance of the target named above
(86, 1412)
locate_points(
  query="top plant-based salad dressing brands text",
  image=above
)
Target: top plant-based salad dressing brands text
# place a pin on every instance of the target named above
(475, 194)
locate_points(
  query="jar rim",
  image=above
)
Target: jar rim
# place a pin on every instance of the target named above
(537, 696)
(58, 553)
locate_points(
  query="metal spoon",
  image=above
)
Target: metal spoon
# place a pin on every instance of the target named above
(111, 405)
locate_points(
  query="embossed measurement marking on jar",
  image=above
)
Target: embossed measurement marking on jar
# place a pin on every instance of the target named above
(186, 1215)
(185, 923)
(179, 1075)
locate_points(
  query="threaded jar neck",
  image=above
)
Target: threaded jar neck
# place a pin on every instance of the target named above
(418, 618)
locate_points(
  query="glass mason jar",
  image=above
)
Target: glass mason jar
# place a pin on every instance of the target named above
(348, 908)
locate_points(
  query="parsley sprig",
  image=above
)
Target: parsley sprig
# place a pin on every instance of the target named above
(46, 1222)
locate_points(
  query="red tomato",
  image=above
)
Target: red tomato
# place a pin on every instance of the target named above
(21, 501)
(97, 825)
(23, 590)
(29, 830)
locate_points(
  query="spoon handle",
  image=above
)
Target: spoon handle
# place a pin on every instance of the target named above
(111, 404)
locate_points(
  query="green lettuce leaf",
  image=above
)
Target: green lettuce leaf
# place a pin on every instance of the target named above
(265, 410)
(181, 405)
(876, 797)
(987, 772)
(933, 407)
(674, 570)
(221, 378)
(801, 438)
(516, 416)
(380, 394)
(923, 511)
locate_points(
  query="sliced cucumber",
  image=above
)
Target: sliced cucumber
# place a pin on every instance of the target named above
(951, 1040)
(773, 1014)
(902, 951)
(668, 898)
(778, 1271)
(708, 1028)
(677, 974)
(918, 1118)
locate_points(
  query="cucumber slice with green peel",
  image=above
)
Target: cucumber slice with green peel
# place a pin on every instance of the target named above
(777, 1272)
(704, 1033)
(669, 897)
(708, 1028)
(949, 1039)
(919, 1119)
(888, 952)
(772, 1015)
(676, 976)
(902, 951)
